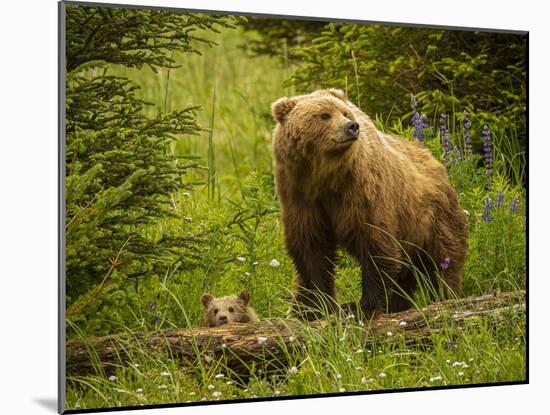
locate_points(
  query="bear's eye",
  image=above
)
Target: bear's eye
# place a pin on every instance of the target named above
(325, 116)
(216, 311)
(231, 309)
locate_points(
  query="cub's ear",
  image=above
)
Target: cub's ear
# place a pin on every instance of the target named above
(244, 296)
(338, 93)
(206, 299)
(282, 107)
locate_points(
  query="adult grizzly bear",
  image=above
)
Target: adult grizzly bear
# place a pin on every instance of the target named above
(386, 200)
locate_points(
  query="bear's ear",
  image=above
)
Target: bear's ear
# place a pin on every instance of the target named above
(282, 107)
(338, 93)
(206, 299)
(244, 296)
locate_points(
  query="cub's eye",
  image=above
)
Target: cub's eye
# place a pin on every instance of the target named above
(231, 309)
(325, 116)
(216, 311)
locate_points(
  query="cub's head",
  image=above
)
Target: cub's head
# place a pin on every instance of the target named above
(320, 123)
(228, 309)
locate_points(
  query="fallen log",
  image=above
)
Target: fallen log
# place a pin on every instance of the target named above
(239, 344)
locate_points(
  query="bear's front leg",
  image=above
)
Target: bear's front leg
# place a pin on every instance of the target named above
(313, 250)
(379, 276)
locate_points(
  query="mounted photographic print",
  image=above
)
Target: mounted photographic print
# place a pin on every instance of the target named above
(261, 207)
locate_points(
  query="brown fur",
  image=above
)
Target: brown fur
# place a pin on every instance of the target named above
(228, 309)
(383, 199)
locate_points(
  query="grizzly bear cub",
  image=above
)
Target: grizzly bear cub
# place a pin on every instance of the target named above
(386, 200)
(228, 309)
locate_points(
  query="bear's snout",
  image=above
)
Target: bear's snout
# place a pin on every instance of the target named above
(223, 319)
(352, 129)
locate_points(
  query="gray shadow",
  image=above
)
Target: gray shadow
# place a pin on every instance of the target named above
(48, 403)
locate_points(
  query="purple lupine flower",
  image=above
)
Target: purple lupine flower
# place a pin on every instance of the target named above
(152, 306)
(488, 153)
(445, 264)
(418, 121)
(458, 156)
(500, 200)
(156, 318)
(487, 210)
(467, 137)
(444, 136)
(514, 206)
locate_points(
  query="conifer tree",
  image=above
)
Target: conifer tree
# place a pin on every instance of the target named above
(119, 170)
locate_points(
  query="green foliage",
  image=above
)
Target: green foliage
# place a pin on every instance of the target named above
(133, 37)
(381, 66)
(120, 172)
(277, 37)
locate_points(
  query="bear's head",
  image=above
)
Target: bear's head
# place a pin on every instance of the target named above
(317, 124)
(224, 310)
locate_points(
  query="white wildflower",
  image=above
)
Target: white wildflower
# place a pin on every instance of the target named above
(139, 390)
(241, 258)
(188, 219)
(381, 375)
(224, 345)
(349, 359)
(389, 333)
(229, 382)
(358, 367)
(113, 378)
(165, 374)
(186, 194)
(435, 378)
(338, 376)
(192, 393)
(211, 387)
(135, 365)
(216, 394)
(460, 374)
(219, 376)
(291, 339)
(342, 389)
(359, 351)
(274, 263)
(163, 387)
(403, 323)
(363, 380)
(262, 340)
(247, 274)
(203, 399)
(293, 370)
(255, 263)
(276, 392)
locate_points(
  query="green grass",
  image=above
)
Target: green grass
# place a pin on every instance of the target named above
(234, 209)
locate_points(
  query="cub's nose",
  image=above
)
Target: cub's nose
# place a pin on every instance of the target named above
(352, 129)
(223, 319)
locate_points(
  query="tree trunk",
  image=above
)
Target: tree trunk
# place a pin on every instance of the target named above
(271, 340)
